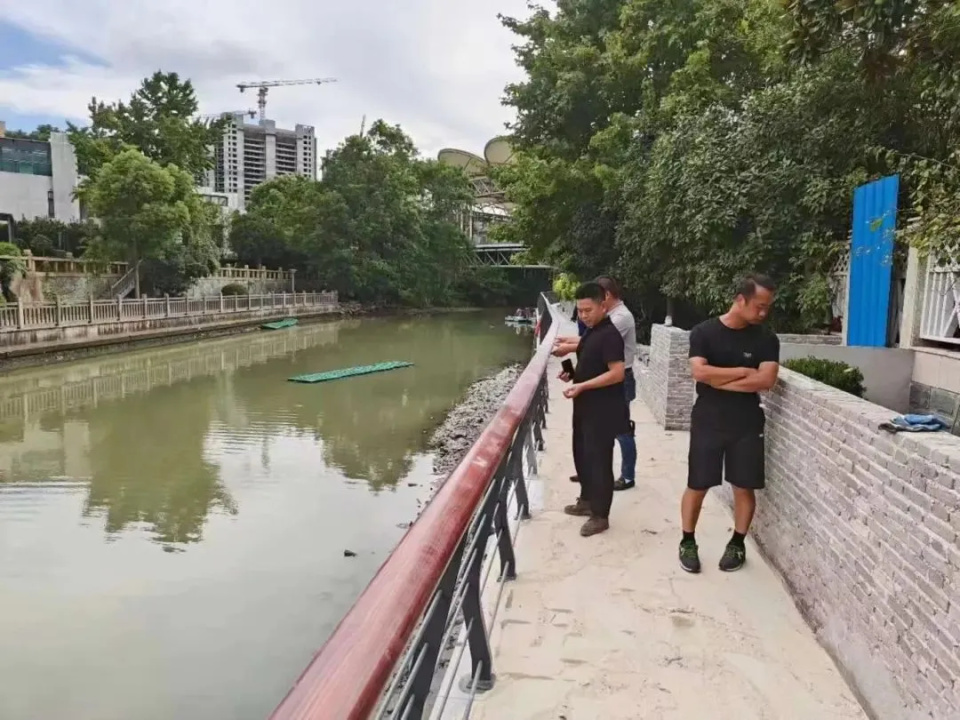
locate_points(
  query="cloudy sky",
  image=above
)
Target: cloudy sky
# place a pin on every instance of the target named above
(436, 67)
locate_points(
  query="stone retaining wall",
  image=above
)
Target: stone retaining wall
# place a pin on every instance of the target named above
(19, 343)
(864, 527)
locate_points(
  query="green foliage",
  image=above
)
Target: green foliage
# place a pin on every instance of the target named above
(830, 372)
(48, 237)
(565, 286)
(152, 214)
(159, 120)
(379, 227)
(10, 266)
(42, 133)
(677, 145)
(233, 289)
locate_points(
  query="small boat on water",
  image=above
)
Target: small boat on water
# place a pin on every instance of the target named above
(280, 324)
(518, 320)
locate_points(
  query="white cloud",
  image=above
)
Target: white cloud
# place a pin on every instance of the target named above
(436, 67)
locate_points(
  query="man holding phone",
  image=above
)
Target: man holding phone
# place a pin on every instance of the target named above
(623, 320)
(600, 411)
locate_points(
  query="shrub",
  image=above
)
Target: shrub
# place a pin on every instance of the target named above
(830, 372)
(233, 289)
(565, 286)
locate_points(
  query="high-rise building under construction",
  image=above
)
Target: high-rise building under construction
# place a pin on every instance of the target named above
(250, 154)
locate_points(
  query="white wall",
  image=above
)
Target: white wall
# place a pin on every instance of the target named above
(63, 160)
(24, 195)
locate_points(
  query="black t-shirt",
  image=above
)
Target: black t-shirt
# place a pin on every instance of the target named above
(725, 347)
(600, 346)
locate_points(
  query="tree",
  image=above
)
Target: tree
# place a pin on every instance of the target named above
(159, 120)
(152, 213)
(42, 133)
(676, 143)
(380, 227)
(910, 51)
(50, 237)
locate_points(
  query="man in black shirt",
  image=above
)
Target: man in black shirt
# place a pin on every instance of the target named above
(600, 410)
(732, 358)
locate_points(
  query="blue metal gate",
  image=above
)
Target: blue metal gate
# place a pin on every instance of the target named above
(871, 261)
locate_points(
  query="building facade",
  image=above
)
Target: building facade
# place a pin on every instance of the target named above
(250, 154)
(38, 179)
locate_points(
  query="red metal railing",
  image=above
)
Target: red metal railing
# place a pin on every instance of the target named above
(348, 676)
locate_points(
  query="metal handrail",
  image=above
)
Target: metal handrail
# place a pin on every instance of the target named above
(399, 625)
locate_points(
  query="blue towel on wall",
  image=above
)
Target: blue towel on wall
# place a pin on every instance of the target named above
(914, 423)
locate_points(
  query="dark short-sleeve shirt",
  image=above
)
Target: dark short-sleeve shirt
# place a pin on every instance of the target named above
(600, 346)
(726, 347)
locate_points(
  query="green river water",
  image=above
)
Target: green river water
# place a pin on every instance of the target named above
(173, 521)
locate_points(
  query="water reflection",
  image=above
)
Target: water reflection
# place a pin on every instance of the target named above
(132, 430)
(147, 433)
(258, 483)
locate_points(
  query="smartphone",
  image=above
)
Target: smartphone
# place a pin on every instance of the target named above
(567, 366)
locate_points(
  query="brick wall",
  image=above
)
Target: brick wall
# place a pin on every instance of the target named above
(864, 526)
(660, 381)
(665, 384)
(795, 339)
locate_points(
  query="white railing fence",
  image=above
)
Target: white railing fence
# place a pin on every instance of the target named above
(97, 312)
(940, 312)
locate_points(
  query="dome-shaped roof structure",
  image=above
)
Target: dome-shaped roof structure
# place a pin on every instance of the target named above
(467, 161)
(498, 151)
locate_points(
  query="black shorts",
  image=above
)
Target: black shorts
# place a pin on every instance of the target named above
(734, 453)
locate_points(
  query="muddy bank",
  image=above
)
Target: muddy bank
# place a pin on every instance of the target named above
(466, 421)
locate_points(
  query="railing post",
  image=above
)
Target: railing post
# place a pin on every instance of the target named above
(430, 641)
(166, 300)
(92, 310)
(59, 310)
(501, 525)
(144, 308)
(515, 472)
(481, 659)
(119, 308)
(293, 279)
(221, 303)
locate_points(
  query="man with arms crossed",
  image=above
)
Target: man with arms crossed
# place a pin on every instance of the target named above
(732, 358)
(599, 409)
(623, 320)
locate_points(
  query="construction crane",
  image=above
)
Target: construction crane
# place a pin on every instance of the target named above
(262, 88)
(228, 113)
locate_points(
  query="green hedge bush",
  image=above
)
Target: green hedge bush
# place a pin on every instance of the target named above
(830, 372)
(233, 289)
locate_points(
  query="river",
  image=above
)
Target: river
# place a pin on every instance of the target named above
(173, 521)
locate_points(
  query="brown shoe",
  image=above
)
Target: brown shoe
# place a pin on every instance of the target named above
(581, 508)
(594, 526)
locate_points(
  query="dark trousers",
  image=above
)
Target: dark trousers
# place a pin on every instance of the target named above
(593, 445)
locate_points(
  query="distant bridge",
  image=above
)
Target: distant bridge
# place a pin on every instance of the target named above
(501, 255)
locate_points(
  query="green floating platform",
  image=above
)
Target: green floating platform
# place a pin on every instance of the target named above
(349, 372)
(280, 324)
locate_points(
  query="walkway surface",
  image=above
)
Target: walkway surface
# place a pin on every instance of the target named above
(610, 627)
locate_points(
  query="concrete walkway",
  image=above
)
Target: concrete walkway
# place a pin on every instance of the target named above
(610, 627)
